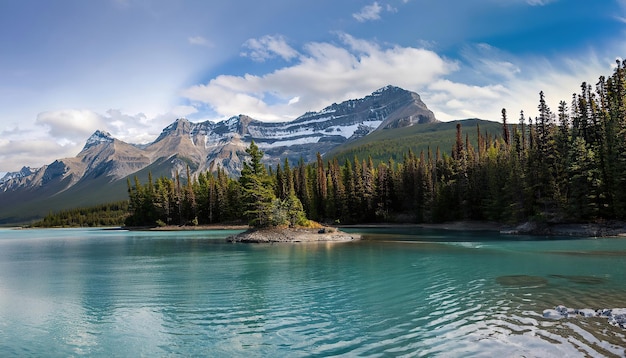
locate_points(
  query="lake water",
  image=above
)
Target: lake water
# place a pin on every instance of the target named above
(401, 292)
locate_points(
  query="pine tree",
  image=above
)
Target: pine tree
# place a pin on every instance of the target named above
(321, 190)
(505, 128)
(258, 193)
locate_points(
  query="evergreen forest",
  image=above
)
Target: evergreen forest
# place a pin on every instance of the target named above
(111, 214)
(565, 165)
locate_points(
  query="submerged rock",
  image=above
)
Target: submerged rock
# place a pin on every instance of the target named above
(521, 281)
(585, 280)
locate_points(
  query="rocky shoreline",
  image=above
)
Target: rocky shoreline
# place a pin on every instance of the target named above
(278, 235)
(602, 229)
(615, 316)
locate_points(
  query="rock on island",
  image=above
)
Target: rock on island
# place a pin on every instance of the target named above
(272, 235)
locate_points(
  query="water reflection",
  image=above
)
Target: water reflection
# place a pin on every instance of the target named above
(401, 293)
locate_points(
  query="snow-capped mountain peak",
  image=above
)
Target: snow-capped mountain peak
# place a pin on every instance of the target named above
(98, 137)
(24, 172)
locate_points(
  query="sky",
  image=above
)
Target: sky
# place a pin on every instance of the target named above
(131, 67)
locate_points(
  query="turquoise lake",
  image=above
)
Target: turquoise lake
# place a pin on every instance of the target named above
(399, 292)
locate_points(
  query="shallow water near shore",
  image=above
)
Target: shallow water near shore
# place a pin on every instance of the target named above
(397, 292)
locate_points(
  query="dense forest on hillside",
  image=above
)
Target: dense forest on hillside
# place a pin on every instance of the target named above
(568, 165)
(112, 214)
(395, 143)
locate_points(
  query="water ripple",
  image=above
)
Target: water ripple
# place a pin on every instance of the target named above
(179, 298)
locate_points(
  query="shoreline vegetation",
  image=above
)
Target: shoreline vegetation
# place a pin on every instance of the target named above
(605, 229)
(599, 229)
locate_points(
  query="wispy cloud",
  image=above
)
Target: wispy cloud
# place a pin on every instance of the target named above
(200, 41)
(368, 13)
(268, 47)
(622, 13)
(373, 12)
(539, 2)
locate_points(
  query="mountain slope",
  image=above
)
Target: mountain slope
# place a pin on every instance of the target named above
(393, 143)
(98, 173)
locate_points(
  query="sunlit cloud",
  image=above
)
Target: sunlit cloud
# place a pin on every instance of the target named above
(480, 84)
(368, 13)
(268, 47)
(67, 124)
(324, 73)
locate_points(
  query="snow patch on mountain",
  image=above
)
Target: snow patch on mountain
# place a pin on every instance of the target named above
(98, 137)
(24, 172)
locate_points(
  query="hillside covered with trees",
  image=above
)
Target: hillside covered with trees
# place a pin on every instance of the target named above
(112, 214)
(562, 166)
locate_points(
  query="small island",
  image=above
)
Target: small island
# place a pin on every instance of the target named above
(277, 218)
(303, 235)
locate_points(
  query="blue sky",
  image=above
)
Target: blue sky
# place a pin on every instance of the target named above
(130, 67)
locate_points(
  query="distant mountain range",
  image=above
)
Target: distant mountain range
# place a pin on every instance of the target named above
(98, 173)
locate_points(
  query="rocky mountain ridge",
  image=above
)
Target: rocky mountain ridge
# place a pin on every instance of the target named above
(209, 145)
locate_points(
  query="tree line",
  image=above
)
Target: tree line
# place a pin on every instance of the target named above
(110, 214)
(568, 165)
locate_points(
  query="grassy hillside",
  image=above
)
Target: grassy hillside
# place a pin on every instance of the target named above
(386, 144)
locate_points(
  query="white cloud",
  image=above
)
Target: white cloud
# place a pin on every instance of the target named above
(139, 128)
(68, 124)
(34, 152)
(480, 84)
(452, 100)
(324, 74)
(63, 133)
(368, 13)
(268, 47)
(539, 2)
(513, 83)
(200, 41)
(72, 127)
(558, 79)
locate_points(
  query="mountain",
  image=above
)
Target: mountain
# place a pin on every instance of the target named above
(98, 173)
(394, 143)
(219, 144)
(24, 172)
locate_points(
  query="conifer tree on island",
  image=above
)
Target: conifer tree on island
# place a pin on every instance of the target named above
(262, 207)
